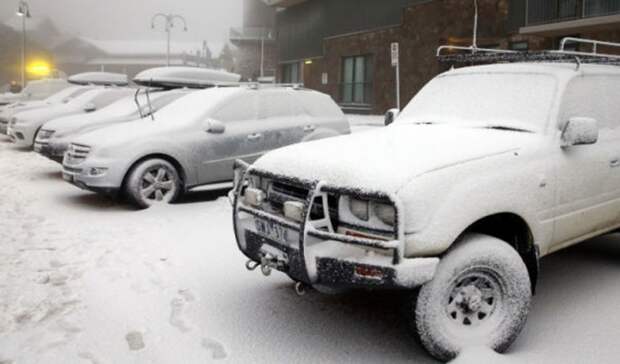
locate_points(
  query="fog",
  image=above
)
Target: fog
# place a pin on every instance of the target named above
(130, 19)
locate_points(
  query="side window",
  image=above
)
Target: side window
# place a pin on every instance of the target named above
(594, 97)
(238, 109)
(318, 105)
(275, 105)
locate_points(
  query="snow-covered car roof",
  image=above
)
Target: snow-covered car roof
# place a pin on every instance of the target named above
(561, 70)
(192, 77)
(100, 78)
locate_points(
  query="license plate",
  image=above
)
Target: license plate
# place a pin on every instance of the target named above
(271, 231)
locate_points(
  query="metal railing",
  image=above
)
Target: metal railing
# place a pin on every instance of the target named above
(552, 11)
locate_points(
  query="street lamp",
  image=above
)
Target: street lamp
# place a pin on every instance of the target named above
(169, 24)
(23, 11)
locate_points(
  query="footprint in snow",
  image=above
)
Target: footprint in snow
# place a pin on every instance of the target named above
(135, 341)
(217, 350)
(177, 310)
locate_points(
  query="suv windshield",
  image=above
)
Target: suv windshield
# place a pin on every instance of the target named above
(517, 101)
(65, 95)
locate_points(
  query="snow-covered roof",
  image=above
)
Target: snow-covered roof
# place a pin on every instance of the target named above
(99, 78)
(151, 47)
(184, 77)
(561, 70)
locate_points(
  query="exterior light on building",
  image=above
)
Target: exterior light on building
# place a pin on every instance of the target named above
(308, 61)
(39, 68)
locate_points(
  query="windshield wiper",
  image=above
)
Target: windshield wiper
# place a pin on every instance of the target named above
(507, 128)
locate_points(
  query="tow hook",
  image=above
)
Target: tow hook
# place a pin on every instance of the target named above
(300, 288)
(251, 265)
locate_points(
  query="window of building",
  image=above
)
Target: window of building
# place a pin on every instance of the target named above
(520, 46)
(290, 73)
(357, 75)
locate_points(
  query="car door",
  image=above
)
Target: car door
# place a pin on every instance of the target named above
(282, 117)
(588, 176)
(241, 139)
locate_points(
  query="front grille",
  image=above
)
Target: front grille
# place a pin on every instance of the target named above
(4, 121)
(71, 170)
(77, 153)
(279, 193)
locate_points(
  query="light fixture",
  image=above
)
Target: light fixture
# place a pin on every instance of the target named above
(308, 61)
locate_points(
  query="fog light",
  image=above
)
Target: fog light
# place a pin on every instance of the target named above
(294, 210)
(368, 272)
(254, 197)
(95, 172)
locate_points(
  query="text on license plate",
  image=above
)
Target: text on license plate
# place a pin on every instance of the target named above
(271, 230)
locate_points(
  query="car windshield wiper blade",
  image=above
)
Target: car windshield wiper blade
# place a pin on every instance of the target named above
(507, 128)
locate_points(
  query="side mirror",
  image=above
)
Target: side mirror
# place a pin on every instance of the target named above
(579, 131)
(90, 107)
(216, 127)
(390, 116)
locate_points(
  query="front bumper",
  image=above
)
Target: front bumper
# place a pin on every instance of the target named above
(79, 174)
(323, 258)
(51, 150)
(22, 136)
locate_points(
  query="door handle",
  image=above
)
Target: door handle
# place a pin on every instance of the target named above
(309, 128)
(255, 136)
(614, 163)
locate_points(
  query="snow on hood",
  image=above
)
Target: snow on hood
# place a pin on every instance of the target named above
(386, 159)
(69, 124)
(120, 134)
(45, 113)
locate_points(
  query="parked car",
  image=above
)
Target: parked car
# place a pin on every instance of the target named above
(35, 90)
(195, 140)
(54, 138)
(488, 169)
(24, 126)
(61, 97)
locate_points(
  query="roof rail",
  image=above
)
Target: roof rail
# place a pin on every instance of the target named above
(258, 85)
(562, 55)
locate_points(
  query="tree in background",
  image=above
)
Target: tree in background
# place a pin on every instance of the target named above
(227, 59)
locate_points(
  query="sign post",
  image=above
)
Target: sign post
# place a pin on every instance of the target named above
(396, 64)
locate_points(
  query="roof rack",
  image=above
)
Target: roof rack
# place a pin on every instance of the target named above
(258, 85)
(562, 55)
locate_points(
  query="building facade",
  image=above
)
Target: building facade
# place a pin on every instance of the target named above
(342, 47)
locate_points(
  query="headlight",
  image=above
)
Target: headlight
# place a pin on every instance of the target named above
(13, 121)
(385, 213)
(359, 209)
(45, 134)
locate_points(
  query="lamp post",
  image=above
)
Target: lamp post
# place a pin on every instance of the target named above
(23, 11)
(169, 20)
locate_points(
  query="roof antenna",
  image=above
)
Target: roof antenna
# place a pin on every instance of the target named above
(578, 60)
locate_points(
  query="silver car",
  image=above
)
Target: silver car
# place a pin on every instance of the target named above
(24, 126)
(54, 138)
(195, 141)
(61, 97)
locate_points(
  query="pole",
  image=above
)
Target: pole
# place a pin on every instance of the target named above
(398, 86)
(262, 53)
(168, 47)
(23, 76)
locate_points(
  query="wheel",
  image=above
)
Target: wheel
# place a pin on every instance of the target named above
(480, 296)
(153, 181)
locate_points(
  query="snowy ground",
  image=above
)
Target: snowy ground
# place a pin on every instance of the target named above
(87, 280)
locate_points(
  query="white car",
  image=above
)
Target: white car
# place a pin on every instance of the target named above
(35, 90)
(24, 126)
(61, 97)
(55, 136)
(195, 140)
(488, 169)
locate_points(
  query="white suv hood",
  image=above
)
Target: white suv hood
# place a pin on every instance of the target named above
(386, 159)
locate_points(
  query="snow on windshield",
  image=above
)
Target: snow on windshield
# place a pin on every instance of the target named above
(68, 93)
(514, 100)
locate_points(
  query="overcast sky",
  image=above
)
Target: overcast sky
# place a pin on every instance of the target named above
(130, 19)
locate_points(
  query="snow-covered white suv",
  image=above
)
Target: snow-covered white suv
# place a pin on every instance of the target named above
(195, 140)
(488, 169)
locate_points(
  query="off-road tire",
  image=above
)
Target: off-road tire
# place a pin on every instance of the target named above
(480, 296)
